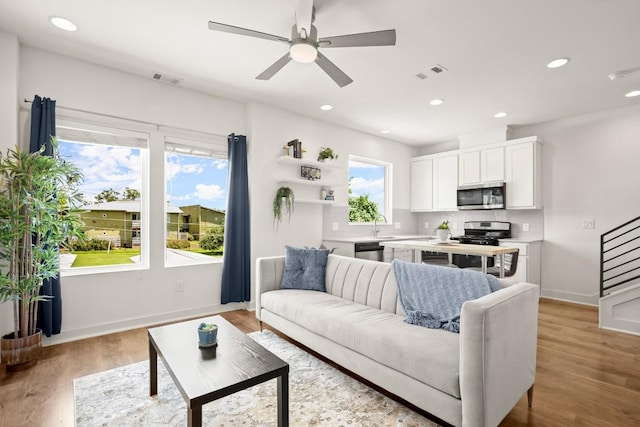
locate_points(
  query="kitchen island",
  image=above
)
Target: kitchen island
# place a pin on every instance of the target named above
(450, 247)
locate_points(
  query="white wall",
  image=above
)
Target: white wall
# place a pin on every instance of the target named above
(9, 58)
(105, 302)
(270, 130)
(591, 170)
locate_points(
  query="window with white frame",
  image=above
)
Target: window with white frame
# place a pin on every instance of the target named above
(196, 192)
(113, 162)
(369, 190)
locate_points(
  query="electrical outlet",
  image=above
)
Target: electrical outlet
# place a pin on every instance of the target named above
(335, 226)
(398, 225)
(426, 225)
(453, 225)
(525, 226)
(588, 224)
(180, 286)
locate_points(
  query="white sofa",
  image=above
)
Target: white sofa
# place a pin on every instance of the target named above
(469, 379)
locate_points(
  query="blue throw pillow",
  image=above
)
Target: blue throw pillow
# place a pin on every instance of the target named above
(304, 269)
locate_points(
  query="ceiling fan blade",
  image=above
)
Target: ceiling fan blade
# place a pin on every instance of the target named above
(336, 74)
(375, 38)
(304, 13)
(274, 68)
(216, 26)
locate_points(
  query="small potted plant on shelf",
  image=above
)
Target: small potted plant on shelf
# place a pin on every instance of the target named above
(442, 232)
(282, 203)
(39, 197)
(326, 153)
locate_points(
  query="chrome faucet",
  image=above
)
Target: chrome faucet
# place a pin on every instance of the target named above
(375, 224)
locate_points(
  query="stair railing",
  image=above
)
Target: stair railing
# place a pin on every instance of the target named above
(620, 256)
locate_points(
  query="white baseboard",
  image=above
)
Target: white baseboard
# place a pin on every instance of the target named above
(570, 297)
(140, 322)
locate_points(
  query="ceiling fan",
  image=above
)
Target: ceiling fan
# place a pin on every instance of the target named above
(304, 43)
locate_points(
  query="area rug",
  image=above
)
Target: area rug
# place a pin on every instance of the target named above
(319, 395)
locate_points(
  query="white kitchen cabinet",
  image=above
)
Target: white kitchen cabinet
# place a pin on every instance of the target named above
(469, 167)
(434, 182)
(481, 165)
(422, 185)
(445, 183)
(523, 174)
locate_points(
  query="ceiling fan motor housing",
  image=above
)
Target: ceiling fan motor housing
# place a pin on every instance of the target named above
(304, 47)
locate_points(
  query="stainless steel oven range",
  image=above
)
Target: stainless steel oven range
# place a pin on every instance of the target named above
(486, 233)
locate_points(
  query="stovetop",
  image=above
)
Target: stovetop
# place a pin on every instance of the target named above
(478, 240)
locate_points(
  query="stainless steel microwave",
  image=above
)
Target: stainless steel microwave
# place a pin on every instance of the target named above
(485, 196)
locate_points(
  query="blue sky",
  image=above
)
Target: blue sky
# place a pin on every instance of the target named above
(190, 180)
(367, 178)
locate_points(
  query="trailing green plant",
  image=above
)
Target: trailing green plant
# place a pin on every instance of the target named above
(326, 153)
(283, 202)
(39, 201)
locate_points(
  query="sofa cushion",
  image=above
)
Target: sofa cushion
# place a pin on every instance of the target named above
(304, 269)
(428, 355)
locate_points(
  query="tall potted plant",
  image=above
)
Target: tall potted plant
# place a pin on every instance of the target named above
(38, 197)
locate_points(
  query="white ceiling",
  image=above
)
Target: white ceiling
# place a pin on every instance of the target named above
(496, 52)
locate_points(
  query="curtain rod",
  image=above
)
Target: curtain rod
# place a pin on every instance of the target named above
(134, 120)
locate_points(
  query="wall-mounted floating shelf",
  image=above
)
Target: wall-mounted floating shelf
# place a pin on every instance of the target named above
(315, 201)
(307, 162)
(300, 181)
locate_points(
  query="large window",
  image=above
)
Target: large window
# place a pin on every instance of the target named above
(113, 162)
(369, 190)
(196, 192)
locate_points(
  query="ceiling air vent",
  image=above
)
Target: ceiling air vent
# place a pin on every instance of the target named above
(166, 78)
(421, 76)
(438, 69)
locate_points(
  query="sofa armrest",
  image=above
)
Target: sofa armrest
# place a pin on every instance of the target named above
(268, 277)
(498, 335)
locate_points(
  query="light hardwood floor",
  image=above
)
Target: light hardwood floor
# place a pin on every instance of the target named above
(585, 376)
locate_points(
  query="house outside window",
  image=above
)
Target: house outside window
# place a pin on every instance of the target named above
(196, 186)
(114, 188)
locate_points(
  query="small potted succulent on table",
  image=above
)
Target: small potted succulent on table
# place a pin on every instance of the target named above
(207, 334)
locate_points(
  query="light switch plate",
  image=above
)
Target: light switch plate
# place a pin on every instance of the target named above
(398, 225)
(335, 226)
(525, 226)
(426, 225)
(588, 224)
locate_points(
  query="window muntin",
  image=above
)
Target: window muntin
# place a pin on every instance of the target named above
(196, 192)
(369, 190)
(113, 162)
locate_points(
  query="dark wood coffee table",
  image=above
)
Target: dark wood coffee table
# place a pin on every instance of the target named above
(205, 374)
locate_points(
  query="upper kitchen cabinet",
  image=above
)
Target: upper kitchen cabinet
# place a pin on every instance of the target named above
(523, 164)
(422, 185)
(434, 182)
(478, 166)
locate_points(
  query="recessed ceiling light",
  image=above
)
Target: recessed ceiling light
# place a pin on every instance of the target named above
(557, 63)
(436, 102)
(632, 93)
(500, 115)
(326, 107)
(63, 23)
(385, 131)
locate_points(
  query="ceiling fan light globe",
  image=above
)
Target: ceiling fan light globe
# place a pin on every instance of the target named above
(303, 52)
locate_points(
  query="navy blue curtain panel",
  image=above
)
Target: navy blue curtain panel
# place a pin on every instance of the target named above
(236, 271)
(43, 127)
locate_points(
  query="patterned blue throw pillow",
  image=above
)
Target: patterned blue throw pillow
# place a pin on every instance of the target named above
(304, 269)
